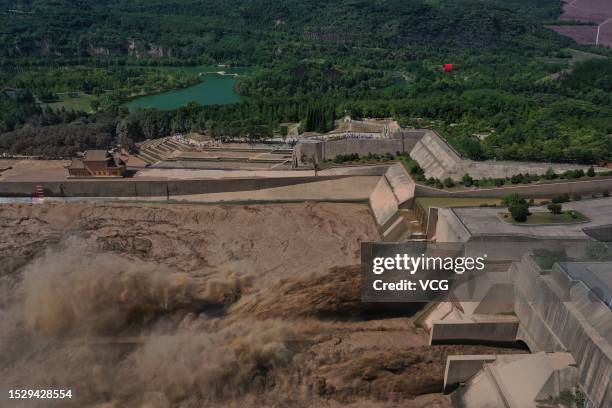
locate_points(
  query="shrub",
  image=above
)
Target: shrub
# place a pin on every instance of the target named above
(577, 197)
(606, 193)
(550, 174)
(591, 172)
(341, 158)
(448, 182)
(563, 198)
(517, 178)
(511, 199)
(555, 208)
(467, 180)
(569, 174)
(519, 212)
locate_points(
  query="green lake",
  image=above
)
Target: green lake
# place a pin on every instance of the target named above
(214, 89)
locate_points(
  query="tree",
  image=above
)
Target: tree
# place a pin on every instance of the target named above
(563, 198)
(467, 180)
(591, 172)
(122, 134)
(555, 208)
(512, 199)
(519, 212)
(284, 131)
(448, 182)
(550, 174)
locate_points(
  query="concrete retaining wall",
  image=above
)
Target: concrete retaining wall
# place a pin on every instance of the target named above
(449, 227)
(403, 141)
(394, 190)
(549, 190)
(600, 233)
(383, 203)
(439, 160)
(402, 184)
(454, 331)
(150, 188)
(551, 323)
(459, 369)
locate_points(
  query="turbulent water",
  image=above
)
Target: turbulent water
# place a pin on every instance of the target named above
(191, 306)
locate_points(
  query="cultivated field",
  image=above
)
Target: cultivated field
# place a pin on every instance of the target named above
(598, 12)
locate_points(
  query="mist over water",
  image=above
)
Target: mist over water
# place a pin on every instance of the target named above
(195, 306)
(122, 332)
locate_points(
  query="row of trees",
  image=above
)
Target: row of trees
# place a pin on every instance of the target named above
(58, 141)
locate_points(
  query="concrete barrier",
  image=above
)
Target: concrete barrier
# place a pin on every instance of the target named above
(402, 184)
(547, 190)
(383, 203)
(459, 369)
(449, 227)
(403, 142)
(454, 331)
(394, 190)
(150, 188)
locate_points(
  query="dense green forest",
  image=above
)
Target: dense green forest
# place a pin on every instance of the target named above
(313, 61)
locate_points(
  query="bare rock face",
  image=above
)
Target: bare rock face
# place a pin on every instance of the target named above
(140, 50)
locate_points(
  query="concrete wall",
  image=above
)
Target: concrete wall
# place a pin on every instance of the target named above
(150, 188)
(394, 189)
(439, 160)
(549, 190)
(459, 369)
(548, 323)
(383, 203)
(600, 233)
(449, 227)
(402, 184)
(454, 331)
(403, 141)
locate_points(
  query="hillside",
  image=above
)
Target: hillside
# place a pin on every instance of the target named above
(246, 32)
(315, 60)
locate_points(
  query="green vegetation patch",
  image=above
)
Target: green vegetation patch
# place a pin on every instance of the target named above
(74, 101)
(540, 217)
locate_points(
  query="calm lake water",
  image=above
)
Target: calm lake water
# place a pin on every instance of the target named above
(213, 89)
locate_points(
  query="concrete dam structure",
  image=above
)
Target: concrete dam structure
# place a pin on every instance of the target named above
(562, 311)
(399, 142)
(559, 311)
(435, 156)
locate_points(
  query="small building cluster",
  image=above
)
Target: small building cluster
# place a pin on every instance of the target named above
(97, 163)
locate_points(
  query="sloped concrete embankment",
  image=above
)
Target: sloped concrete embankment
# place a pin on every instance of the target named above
(394, 191)
(439, 160)
(579, 326)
